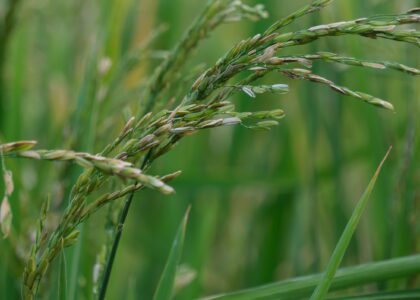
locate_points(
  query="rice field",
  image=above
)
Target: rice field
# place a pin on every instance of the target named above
(218, 149)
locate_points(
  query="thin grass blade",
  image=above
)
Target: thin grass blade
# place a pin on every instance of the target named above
(389, 295)
(301, 287)
(166, 283)
(339, 251)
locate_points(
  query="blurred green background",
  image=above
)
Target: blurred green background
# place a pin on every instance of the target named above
(266, 205)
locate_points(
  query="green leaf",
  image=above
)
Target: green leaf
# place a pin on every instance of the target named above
(166, 283)
(389, 295)
(301, 287)
(341, 247)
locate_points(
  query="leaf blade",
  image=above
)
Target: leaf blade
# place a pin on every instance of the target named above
(166, 283)
(300, 287)
(344, 241)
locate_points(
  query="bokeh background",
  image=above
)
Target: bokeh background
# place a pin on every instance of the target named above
(266, 205)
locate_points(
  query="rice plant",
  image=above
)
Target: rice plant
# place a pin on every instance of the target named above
(123, 129)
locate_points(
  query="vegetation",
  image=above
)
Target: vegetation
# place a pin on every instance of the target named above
(133, 104)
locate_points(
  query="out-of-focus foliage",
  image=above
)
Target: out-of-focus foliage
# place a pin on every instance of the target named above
(265, 205)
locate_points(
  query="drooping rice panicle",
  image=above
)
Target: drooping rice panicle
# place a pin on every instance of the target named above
(315, 5)
(306, 60)
(215, 13)
(308, 75)
(106, 165)
(259, 49)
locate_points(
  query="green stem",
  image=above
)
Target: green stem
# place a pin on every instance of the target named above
(118, 233)
(115, 244)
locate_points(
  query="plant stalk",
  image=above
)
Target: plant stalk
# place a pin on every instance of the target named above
(118, 233)
(115, 244)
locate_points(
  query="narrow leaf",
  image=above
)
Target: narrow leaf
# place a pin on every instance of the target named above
(389, 295)
(166, 283)
(302, 287)
(341, 247)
